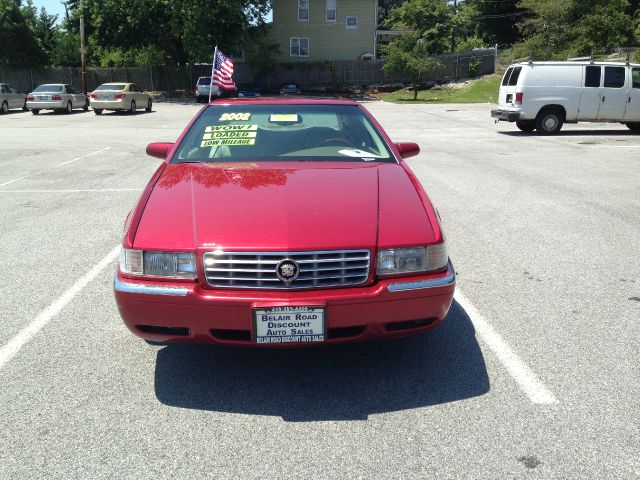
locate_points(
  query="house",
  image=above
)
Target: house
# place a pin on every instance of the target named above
(324, 30)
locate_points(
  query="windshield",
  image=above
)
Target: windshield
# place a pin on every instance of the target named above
(226, 133)
(49, 88)
(111, 87)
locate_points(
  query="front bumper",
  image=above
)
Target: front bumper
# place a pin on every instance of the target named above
(46, 105)
(506, 115)
(176, 312)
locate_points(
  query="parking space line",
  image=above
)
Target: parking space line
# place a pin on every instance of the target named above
(8, 351)
(521, 373)
(75, 190)
(55, 166)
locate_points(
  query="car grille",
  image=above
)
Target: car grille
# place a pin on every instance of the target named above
(258, 270)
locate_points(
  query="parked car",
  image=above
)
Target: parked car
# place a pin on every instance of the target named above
(543, 96)
(119, 96)
(10, 98)
(290, 89)
(56, 96)
(248, 90)
(283, 221)
(202, 90)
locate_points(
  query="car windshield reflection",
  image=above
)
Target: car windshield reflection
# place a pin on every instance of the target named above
(287, 132)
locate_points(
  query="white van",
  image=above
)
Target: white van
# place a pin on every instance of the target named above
(543, 95)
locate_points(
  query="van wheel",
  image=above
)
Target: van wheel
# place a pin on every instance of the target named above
(526, 125)
(549, 121)
(634, 127)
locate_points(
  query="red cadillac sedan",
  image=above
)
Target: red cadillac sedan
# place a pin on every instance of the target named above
(282, 222)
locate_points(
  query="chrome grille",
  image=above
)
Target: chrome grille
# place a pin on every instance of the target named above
(335, 268)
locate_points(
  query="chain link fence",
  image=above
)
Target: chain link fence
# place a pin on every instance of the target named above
(309, 75)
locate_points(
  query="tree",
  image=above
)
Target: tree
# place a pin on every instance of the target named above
(497, 22)
(19, 45)
(409, 54)
(261, 53)
(560, 28)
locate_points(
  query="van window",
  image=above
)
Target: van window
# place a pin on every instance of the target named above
(513, 80)
(635, 76)
(614, 77)
(507, 74)
(592, 77)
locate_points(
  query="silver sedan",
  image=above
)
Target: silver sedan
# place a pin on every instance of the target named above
(56, 96)
(10, 98)
(119, 96)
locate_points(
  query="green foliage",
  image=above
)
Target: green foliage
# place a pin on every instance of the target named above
(409, 54)
(19, 46)
(496, 22)
(429, 21)
(261, 54)
(560, 28)
(468, 44)
(484, 90)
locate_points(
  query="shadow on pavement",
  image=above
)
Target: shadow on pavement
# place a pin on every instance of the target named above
(625, 132)
(335, 382)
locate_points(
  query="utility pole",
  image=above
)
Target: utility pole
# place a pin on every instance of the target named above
(83, 59)
(453, 27)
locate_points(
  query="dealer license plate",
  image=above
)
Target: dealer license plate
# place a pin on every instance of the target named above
(289, 324)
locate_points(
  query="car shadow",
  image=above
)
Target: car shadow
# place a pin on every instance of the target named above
(333, 382)
(574, 133)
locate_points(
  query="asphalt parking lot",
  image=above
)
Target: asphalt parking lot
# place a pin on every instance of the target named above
(534, 374)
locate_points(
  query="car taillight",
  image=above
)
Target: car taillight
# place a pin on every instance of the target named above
(30, 98)
(519, 98)
(118, 96)
(56, 97)
(94, 96)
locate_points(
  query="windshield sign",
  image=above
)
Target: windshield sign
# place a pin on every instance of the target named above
(225, 133)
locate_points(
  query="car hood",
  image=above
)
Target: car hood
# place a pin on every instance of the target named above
(282, 207)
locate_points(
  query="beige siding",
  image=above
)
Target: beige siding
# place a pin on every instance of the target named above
(327, 40)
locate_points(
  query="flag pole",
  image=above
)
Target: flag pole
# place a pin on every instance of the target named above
(213, 64)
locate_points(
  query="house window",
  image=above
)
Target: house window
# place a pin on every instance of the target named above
(331, 10)
(352, 22)
(298, 46)
(303, 10)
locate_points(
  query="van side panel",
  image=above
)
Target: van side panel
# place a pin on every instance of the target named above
(545, 85)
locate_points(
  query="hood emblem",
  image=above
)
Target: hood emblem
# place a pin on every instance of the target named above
(287, 271)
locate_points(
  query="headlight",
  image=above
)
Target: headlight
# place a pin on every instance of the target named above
(396, 261)
(158, 264)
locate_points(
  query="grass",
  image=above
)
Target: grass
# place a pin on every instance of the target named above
(483, 90)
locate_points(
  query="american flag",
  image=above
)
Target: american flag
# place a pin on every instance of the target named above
(222, 71)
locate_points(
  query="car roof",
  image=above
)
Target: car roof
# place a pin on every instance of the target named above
(117, 83)
(284, 101)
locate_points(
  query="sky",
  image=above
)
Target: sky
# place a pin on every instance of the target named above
(56, 7)
(53, 7)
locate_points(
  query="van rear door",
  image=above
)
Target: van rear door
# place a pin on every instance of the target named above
(508, 86)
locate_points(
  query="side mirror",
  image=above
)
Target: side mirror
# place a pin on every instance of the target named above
(408, 149)
(159, 150)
